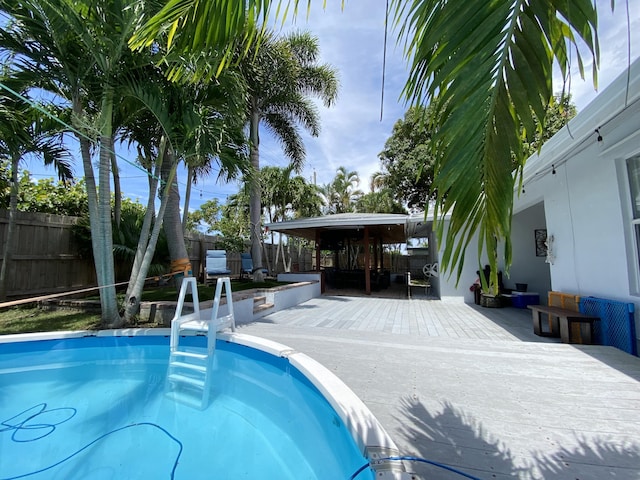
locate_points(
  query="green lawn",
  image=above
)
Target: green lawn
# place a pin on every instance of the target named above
(170, 294)
(34, 319)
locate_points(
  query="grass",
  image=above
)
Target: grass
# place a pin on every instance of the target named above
(34, 319)
(30, 319)
(170, 294)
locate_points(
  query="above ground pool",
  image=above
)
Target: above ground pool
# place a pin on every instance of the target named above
(95, 408)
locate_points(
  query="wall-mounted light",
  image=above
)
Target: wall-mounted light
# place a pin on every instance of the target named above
(599, 137)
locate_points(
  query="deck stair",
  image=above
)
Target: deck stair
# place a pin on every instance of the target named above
(190, 367)
(260, 305)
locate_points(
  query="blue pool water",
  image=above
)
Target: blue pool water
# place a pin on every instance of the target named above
(94, 408)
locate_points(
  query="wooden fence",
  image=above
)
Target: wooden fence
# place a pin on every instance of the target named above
(45, 257)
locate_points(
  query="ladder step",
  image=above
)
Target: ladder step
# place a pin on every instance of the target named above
(190, 366)
(183, 353)
(175, 377)
(195, 326)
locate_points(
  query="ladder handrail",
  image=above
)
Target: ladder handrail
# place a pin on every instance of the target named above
(229, 317)
(178, 318)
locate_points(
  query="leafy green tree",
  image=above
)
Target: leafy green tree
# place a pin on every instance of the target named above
(207, 216)
(559, 111)
(282, 76)
(79, 51)
(49, 196)
(407, 159)
(485, 68)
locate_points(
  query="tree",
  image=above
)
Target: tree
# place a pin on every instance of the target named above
(342, 193)
(485, 68)
(381, 201)
(23, 133)
(66, 197)
(407, 159)
(281, 76)
(285, 197)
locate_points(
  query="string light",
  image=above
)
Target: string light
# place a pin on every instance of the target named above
(599, 138)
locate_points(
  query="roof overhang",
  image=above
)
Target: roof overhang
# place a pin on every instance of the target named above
(389, 228)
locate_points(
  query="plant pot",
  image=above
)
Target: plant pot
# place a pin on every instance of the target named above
(490, 301)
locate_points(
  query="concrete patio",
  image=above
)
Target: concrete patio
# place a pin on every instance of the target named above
(473, 387)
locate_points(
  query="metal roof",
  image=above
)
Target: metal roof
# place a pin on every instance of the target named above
(391, 228)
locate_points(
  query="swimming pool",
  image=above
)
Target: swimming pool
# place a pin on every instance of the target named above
(94, 407)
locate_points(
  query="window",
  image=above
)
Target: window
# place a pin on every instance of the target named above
(633, 174)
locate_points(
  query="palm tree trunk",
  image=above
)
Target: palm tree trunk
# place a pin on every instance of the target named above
(7, 249)
(133, 298)
(171, 217)
(187, 198)
(117, 191)
(143, 241)
(99, 202)
(255, 193)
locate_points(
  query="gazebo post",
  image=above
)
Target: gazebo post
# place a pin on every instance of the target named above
(367, 259)
(317, 250)
(375, 253)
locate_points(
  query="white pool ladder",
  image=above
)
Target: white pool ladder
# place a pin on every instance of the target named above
(189, 373)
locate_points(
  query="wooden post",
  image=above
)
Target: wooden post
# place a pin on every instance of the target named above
(367, 266)
(317, 250)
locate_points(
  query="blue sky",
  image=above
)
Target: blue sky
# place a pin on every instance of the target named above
(352, 135)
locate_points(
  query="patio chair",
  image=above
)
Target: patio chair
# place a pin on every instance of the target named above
(246, 267)
(216, 265)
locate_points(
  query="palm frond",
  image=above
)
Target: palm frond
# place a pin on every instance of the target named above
(486, 68)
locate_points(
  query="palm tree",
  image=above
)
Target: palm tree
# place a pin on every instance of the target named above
(281, 76)
(485, 68)
(343, 192)
(23, 133)
(482, 65)
(285, 197)
(80, 53)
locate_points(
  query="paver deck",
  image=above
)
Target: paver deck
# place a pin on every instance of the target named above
(474, 388)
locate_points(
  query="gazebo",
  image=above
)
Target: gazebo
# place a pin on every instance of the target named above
(341, 231)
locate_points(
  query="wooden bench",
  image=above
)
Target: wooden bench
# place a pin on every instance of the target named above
(561, 321)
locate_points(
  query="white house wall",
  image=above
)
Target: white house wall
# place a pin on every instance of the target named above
(526, 267)
(586, 202)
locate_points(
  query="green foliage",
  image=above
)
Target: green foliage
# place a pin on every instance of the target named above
(382, 201)
(47, 196)
(342, 193)
(230, 221)
(207, 216)
(285, 197)
(407, 159)
(559, 111)
(486, 70)
(125, 240)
